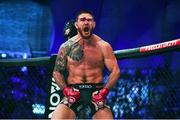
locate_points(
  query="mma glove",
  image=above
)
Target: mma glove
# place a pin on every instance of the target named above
(99, 97)
(71, 94)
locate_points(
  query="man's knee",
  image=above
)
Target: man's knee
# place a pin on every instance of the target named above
(104, 113)
(63, 112)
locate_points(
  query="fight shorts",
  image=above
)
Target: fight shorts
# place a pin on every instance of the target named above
(85, 100)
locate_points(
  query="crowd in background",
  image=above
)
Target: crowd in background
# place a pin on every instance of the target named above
(139, 93)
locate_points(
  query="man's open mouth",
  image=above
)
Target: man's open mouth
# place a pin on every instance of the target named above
(86, 29)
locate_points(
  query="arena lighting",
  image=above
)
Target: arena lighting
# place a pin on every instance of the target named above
(25, 56)
(38, 108)
(24, 69)
(3, 55)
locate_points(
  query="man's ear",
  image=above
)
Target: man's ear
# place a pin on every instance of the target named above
(94, 25)
(75, 24)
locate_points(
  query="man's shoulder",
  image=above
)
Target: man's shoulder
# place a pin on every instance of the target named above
(69, 42)
(73, 38)
(104, 45)
(101, 41)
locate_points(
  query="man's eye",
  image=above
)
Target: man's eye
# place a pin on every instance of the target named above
(82, 19)
(89, 20)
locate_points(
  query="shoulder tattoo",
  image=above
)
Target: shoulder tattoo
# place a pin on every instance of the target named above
(71, 49)
(76, 53)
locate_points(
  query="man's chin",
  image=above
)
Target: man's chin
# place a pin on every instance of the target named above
(86, 36)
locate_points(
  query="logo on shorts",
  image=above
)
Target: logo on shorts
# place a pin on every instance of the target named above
(85, 86)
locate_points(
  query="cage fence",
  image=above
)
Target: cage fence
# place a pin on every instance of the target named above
(148, 87)
(23, 91)
(146, 92)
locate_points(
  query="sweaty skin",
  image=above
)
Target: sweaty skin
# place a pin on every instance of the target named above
(87, 69)
(84, 56)
(84, 60)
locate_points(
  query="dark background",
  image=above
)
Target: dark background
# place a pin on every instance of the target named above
(147, 88)
(35, 27)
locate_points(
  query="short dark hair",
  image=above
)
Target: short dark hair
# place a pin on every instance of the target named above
(84, 11)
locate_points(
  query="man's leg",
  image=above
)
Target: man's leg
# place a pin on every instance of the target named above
(104, 113)
(63, 112)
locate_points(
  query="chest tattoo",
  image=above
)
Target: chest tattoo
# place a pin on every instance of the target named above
(76, 52)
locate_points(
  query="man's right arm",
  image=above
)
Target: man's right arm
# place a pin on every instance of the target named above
(60, 67)
(70, 93)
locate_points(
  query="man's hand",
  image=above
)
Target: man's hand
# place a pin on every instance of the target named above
(71, 94)
(99, 97)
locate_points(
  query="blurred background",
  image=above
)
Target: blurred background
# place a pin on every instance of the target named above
(148, 87)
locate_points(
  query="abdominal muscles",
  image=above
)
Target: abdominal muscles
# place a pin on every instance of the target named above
(88, 71)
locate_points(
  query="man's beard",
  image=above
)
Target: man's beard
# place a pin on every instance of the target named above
(84, 31)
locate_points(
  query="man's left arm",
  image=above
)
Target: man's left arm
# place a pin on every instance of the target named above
(111, 64)
(98, 97)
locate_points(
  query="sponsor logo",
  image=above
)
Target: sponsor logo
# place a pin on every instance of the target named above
(54, 98)
(160, 46)
(85, 86)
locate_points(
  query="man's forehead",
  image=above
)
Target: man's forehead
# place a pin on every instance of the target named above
(83, 15)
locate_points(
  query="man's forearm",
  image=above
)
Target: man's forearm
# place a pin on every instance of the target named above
(113, 77)
(59, 79)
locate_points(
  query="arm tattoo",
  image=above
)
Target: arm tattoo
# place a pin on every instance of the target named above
(60, 64)
(61, 60)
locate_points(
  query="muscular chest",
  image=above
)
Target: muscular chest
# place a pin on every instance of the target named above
(93, 55)
(88, 56)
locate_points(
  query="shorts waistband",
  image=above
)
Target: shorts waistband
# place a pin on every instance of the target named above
(87, 86)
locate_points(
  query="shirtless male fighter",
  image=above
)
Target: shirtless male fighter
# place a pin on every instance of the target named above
(85, 56)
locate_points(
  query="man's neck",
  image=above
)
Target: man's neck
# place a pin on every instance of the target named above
(87, 40)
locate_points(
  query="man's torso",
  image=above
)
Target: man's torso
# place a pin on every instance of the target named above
(85, 62)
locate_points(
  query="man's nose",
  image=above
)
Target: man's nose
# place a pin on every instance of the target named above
(86, 22)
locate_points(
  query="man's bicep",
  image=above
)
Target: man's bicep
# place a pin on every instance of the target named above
(61, 60)
(110, 63)
(109, 58)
